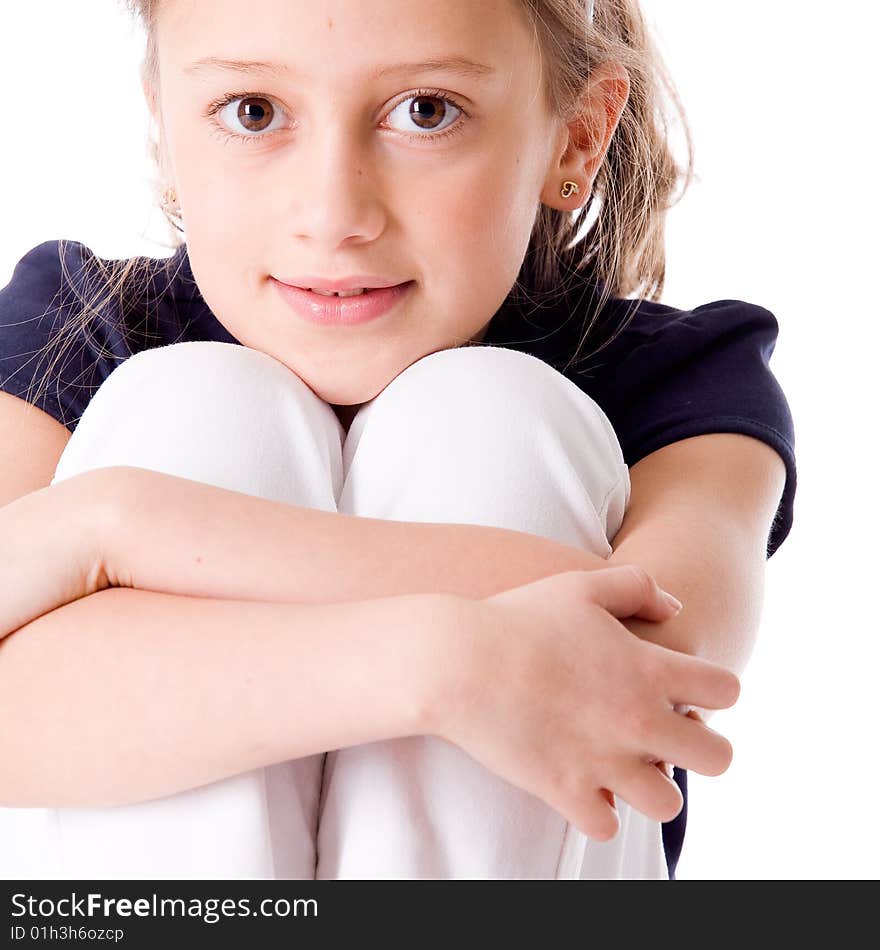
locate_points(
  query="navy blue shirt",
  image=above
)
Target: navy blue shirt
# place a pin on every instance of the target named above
(659, 373)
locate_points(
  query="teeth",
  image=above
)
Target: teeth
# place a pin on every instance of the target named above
(342, 293)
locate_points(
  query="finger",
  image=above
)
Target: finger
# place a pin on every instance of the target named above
(689, 743)
(644, 787)
(627, 590)
(690, 712)
(692, 681)
(595, 814)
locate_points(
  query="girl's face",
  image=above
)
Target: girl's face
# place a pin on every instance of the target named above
(341, 169)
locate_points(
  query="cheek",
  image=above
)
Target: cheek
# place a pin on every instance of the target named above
(488, 228)
(216, 180)
(221, 203)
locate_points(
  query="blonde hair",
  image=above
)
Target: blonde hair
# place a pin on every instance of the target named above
(621, 251)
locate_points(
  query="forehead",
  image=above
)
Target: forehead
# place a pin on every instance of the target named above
(346, 41)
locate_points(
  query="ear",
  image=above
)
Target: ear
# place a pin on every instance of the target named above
(584, 142)
(151, 99)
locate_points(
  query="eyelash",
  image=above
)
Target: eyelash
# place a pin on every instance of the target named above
(226, 135)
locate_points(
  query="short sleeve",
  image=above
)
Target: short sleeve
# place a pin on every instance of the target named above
(33, 306)
(673, 374)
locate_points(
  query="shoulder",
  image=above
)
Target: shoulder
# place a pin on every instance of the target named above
(588, 335)
(628, 347)
(35, 280)
(68, 317)
(659, 335)
(53, 277)
(618, 348)
(33, 305)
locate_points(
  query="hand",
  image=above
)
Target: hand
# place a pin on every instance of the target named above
(51, 552)
(555, 695)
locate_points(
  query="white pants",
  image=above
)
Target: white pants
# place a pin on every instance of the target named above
(479, 434)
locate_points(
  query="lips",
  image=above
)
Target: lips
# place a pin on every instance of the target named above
(330, 310)
(352, 282)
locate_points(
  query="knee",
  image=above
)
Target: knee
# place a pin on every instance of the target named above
(215, 412)
(479, 433)
(493, 389)
(198, 385)
(202, 371)
(194, 388)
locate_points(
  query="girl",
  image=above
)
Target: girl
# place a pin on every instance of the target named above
(352, 621)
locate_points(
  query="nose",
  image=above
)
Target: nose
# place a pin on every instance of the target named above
(338, 198)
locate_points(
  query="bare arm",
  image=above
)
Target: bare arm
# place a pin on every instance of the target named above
(128, 695)
(704, 539)
(177, 535)
(119, 650)
(698, 521)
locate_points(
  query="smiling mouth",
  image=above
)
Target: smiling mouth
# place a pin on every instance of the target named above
(347, 309)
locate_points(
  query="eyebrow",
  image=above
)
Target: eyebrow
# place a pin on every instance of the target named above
(460, 65)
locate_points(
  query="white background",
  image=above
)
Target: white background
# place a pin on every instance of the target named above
(783, 111)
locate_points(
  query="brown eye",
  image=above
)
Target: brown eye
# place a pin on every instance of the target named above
(426, 112)
(252, 113)
(255, 113)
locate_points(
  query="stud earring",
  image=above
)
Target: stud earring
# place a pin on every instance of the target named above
(569, 188)
(169, 198)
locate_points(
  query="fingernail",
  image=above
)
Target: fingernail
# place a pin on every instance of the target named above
(673, 602)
